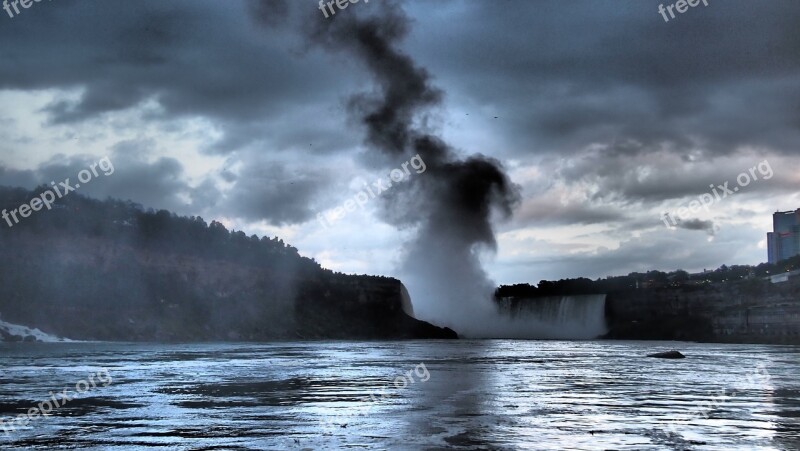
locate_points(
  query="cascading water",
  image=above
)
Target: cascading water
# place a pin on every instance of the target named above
(556, 317)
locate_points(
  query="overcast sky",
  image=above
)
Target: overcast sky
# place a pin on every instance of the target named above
(604, 114)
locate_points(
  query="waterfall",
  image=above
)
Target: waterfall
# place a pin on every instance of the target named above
(405, 298)
(557, 317)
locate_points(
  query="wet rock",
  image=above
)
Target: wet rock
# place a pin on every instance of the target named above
(667, 355)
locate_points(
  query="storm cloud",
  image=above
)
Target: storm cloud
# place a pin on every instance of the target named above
(601, 113)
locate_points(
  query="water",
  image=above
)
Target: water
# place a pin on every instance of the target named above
(494, 394)
(557, 317)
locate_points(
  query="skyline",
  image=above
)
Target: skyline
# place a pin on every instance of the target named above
(604, 117)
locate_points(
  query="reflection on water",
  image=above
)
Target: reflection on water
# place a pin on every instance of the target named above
(499, 394)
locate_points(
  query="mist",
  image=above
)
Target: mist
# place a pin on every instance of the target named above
(452, 207)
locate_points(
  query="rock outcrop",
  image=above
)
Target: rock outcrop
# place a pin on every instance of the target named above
(667, 355)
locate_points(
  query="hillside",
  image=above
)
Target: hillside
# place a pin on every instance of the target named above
(110, 270)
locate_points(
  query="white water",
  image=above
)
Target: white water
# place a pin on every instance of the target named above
(558, 317)
(22, 332)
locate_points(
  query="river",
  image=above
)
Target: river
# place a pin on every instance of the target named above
(465, 394)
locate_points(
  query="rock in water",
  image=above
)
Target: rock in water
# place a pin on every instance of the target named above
(667, 355)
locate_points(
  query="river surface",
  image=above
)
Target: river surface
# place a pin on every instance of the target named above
(491, 394)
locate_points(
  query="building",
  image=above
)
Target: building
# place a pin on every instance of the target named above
(784, 240)
(783, 277)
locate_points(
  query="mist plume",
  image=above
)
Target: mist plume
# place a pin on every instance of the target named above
(452, 206)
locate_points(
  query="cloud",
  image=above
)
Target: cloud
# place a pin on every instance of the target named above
(279, 192)
(697, 224)
(571, 74)
(548, 210)
(605, 115)
(160, 183)
(661, 249)
(191, 58)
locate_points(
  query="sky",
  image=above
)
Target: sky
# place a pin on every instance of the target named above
(604, 116)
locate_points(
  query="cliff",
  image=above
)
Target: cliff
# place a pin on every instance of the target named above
(91, 270)
(753, 310)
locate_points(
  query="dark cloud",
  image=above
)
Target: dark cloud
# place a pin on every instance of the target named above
(276, 192)
(204, 59)
(263, 190)
(627, 115)
(157, 184)
(194, 59)
(269, 12)
(565, 75)
(659, 174)
(697, 224)
(569, 74)
(19, 178)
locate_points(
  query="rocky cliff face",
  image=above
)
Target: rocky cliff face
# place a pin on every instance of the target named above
(108, 270)
(96, 289)
(747, 311)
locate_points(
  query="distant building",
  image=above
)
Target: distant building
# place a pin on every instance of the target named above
(784, 276)
(784, 240)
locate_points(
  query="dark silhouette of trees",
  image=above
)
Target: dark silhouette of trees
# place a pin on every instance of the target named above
(120, 272)
(651, 279)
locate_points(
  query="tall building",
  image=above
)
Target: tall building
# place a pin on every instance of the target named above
(784, 240)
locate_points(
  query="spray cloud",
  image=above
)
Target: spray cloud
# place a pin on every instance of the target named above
(452, 207)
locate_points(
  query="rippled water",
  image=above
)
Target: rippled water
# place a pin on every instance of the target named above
(499, 394)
